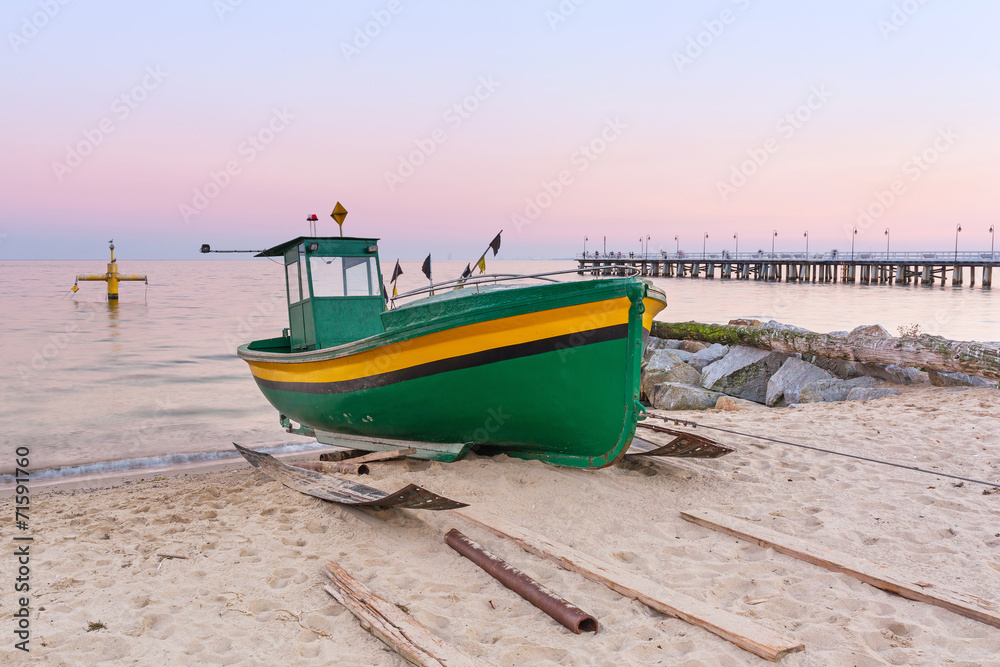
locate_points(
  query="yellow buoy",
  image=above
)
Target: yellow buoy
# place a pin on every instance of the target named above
(112, 277)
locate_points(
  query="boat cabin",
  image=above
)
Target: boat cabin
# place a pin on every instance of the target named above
(334, 290)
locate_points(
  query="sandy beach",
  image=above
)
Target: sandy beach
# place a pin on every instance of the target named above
(225, 568)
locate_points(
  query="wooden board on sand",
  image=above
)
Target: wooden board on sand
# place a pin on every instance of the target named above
(413, 642)
(880, 576)
(739, 630)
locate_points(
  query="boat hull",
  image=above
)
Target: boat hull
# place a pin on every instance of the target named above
(549, 374)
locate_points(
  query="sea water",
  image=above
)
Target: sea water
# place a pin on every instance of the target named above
(156, 377)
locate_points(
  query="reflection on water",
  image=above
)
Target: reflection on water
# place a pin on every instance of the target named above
(90, 380)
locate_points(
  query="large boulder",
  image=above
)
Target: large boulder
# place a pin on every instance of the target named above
(846, 370)
(733, 404)
(783, 387)
(709, 355)
(666, 366)
(916, 376)
(780, 326)
(946, 379)
(692, 346)
(743, 373)
(841, 368)
(825, 391)
(657, 356)
(867, 394)
(876, 330)
(654, 343)
(896, 374)
(674, 396)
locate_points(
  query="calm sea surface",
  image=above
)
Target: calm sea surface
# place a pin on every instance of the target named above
(157, 373)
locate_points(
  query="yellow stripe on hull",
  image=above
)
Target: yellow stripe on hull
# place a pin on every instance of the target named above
(459, 341)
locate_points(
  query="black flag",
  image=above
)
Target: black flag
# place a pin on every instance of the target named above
(385, 295)
(468, 271)
(396, 272)
(495, 244)
(426, 268)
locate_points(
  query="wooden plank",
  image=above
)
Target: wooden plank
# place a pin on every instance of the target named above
(384, 456)
(739, 630)
(880, 576)
(411, 640)
(434, 451)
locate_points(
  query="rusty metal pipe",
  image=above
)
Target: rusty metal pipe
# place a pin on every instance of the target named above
(565, 612)
(334, 466)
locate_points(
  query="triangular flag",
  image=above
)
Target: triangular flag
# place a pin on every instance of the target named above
(426, 268)
(468, 271)
(385, 296)
(495, 244)
(482, 264)
(396, 272)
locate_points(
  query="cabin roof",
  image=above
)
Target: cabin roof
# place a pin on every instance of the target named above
(279, 250)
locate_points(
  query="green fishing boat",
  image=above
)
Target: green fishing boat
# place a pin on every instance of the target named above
(545, 371)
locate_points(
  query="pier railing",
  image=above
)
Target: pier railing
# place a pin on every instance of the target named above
(900, 268)
(968, 256)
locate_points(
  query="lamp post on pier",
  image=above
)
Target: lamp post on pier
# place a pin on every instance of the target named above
(807, 243)
(853, 236)
(887, 243)
(774, 235)
(585, 247)
(958, 228)
(648, 238)
(993, 238)
(704, 243)
(737, 237)
(678, 241)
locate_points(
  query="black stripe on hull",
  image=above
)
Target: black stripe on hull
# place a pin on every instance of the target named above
(553, 344)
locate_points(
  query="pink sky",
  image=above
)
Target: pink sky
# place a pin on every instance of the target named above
(490, 107)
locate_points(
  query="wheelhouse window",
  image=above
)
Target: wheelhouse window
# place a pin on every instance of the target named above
(343, 276)
(292, 279)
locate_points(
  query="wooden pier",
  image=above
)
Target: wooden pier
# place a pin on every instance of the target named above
(898, 268)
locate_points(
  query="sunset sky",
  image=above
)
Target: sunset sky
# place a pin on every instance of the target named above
(165, 125)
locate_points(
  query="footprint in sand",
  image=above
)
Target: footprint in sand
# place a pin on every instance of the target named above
(158, 626)
(280, 577)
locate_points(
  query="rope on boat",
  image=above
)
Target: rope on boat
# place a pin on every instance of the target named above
(685, 422)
